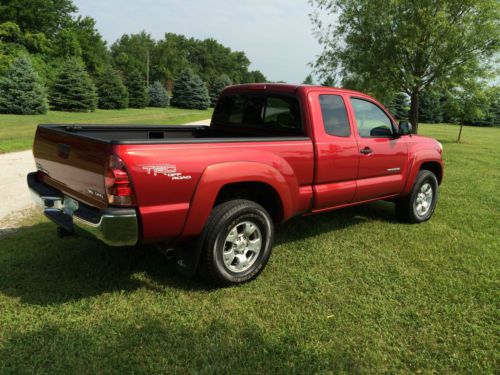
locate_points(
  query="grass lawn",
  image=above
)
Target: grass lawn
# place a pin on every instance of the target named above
(348, 291)
(17, 132)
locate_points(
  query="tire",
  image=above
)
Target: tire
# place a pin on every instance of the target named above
(417, 207)
(231, 253)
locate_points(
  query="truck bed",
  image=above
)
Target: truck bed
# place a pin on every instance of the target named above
(154, 134)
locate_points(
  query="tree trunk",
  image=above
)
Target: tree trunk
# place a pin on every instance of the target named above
(460, 132)
(414, 104)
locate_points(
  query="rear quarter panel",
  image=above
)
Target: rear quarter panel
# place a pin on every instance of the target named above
(166, 198)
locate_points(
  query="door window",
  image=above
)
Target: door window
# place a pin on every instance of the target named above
(371, 121)
(334, 115)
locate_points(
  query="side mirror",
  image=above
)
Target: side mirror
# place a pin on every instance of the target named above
(405, 128)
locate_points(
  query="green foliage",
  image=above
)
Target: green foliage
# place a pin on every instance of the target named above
(130, 51)
(308, 80)
(217, 86)
(175, 53)
(73, 90)
(38, 16)
(112, 92)
(399, 106)
(137, 93)
(431, 107)
(254, 76)
(385, 47)
(190, 92)
(66, 45)
(94, 52)
(158, 95)
(21, 91)
(329, 81)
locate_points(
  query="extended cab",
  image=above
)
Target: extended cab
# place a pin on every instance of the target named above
(271, 152)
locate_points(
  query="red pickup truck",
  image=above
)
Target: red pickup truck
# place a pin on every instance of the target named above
(272, 151)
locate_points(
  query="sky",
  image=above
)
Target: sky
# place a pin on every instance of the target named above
(276, 35)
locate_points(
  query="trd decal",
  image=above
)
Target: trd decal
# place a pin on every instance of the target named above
(168, 170)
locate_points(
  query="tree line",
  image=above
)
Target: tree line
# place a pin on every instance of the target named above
(61, 60)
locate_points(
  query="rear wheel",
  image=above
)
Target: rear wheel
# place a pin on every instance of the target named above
(238, 242)
(419, 205)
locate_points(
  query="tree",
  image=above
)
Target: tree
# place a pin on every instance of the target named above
(407, 45)
(21, 91)
(190, 92)
(38, 16)
(158, 96)
(308, 80)
(467, 104)
(216, 88)
(399, 106)
(112, 92)
(430, 109)
(136, 86)
(73, 90)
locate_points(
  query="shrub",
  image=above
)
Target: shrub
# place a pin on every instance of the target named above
(73, 91)
(158, 96)
(190, 92)
(21, 91)
(112, 92)
(137, 94)
(216, 88)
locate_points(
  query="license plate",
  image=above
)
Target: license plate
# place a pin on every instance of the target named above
(69, 205)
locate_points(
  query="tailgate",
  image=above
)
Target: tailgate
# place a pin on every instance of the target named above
(73, 164)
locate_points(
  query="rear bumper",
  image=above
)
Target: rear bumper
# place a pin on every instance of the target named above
(113, 226)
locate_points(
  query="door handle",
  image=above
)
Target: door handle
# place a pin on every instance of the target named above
(366, 151)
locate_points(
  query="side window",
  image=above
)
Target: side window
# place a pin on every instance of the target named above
(334, 115)
(282, 113)
(371, 121)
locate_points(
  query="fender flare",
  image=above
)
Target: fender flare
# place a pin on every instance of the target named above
(419, 158)
(216, 176)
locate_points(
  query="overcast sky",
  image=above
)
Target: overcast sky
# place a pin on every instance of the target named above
(276, 35)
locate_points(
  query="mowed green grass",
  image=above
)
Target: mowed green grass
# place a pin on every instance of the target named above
(17, 132)
(349, 291)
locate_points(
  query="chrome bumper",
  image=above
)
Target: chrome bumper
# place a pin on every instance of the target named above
(113, 226)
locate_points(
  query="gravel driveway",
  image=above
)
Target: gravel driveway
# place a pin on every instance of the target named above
(16, 200)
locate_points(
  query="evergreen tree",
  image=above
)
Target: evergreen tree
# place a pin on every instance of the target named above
(137, 94)
(158, 96)
(73, 90)
(399, 106)
(21, 91)
(112, 92)
(308, 80)
(190, 92)
(217, 86)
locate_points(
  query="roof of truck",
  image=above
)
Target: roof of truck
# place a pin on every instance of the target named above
(286, 87)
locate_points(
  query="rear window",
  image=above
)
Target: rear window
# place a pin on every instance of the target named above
(260, 111)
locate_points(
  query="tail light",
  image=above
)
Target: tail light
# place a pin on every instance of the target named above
(119, 188)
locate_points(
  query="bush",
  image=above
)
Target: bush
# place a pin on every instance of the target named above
(73, 91)
(190, 92)
(137, 94)
(216, 88)
(158, 96)
(21, 91)
(112, 92)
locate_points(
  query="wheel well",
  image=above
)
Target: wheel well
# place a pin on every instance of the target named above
(257, 192)
(434, 168)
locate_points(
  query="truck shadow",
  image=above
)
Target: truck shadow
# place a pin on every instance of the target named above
(41, 269)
